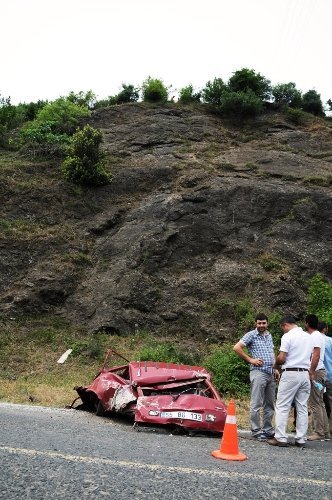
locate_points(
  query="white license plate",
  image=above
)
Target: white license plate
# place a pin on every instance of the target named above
(184, 415)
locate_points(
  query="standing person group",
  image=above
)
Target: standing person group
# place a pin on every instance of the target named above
(300, 361)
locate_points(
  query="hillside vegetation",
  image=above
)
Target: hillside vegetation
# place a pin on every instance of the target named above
(205, 221)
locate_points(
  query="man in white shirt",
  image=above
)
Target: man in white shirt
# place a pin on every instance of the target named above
(294, 356)
(318, 375)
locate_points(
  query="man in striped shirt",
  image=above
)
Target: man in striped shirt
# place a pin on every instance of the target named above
(263, 377)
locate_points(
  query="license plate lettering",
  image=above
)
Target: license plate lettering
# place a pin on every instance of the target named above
(183, 415)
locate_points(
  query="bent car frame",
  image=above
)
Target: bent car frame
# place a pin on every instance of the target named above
(157, 393)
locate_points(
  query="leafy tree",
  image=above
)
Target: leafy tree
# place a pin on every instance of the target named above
(128, 94)
(247, 79)
(287, 94)
(213, 91)
(63, 114)
(39, 139)
(84, 164)
(311, 103)
(104, 103)
(241, 104)
(84, 99)
(52, 127)
(319, 298)
(329, 103)
(154, 90)
(187, 94)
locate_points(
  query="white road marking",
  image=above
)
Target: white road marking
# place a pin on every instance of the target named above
(156, 467)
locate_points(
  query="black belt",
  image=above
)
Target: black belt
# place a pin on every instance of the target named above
(295, 370)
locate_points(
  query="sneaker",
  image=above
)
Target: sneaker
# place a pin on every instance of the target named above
(315, 437)
(264, 436)
(275, 442)
(299, 445)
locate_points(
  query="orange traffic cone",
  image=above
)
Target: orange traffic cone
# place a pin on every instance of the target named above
(229, 447)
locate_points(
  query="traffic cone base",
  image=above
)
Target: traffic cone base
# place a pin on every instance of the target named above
(229, 448)
(228, 456)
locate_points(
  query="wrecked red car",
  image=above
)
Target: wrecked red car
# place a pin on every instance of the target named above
(157, 393)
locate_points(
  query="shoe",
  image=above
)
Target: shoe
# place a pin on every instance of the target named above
(299, 445)
(275, 442)
(327, 437)
(315, 437)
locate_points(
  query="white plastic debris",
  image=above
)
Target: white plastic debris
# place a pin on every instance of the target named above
(64, 356)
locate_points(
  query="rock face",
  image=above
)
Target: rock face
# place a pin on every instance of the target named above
(202, 215)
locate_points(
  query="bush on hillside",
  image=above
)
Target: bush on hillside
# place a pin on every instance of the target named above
(312, 103)
(154, 90)
(187, 95)
(84, 164)
(241, 104)
(230, 374)
(83, 99)
(49, 133)
(246, 79)
(319, 298)
(296, 116)
(213, 91)
(286, 94)
(128, 94)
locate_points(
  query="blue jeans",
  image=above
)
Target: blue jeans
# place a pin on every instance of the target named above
(262, 390)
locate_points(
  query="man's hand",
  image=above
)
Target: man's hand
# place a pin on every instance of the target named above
(256, 362)
(276, 374)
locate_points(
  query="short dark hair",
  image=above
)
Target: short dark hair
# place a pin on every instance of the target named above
(321, 325)
(261, 317)
(311, 320)
(288, 319)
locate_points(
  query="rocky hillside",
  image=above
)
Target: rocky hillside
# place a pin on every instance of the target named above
(202, 216)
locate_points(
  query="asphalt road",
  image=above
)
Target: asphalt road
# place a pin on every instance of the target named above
(57, 453)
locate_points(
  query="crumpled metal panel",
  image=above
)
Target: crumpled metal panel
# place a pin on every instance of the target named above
(190, 411)
(122, 397)
(152, 372)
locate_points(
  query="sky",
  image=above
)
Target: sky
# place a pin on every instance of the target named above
(52, 47)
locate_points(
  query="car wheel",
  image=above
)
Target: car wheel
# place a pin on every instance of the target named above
(100, 412)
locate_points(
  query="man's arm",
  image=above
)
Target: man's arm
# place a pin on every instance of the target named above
(314, 362)
(238, 348)
(281, 358)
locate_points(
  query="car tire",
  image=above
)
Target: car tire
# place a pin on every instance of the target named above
(100, 412)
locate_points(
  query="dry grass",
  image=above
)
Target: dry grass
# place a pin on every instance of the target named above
(30, 348)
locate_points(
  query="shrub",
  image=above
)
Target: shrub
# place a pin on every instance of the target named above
(230, 374)
(213, 91)
(246, 79)
(63, 114)
(154, 90)
(83, 99)
(39, 139)
(296, 116)
(241, 104)
(311, 103)
(85, 163)
(319, 298)
(49, 133)
(169, 353)
(187, 95)
(128, 94)
(287, 94)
